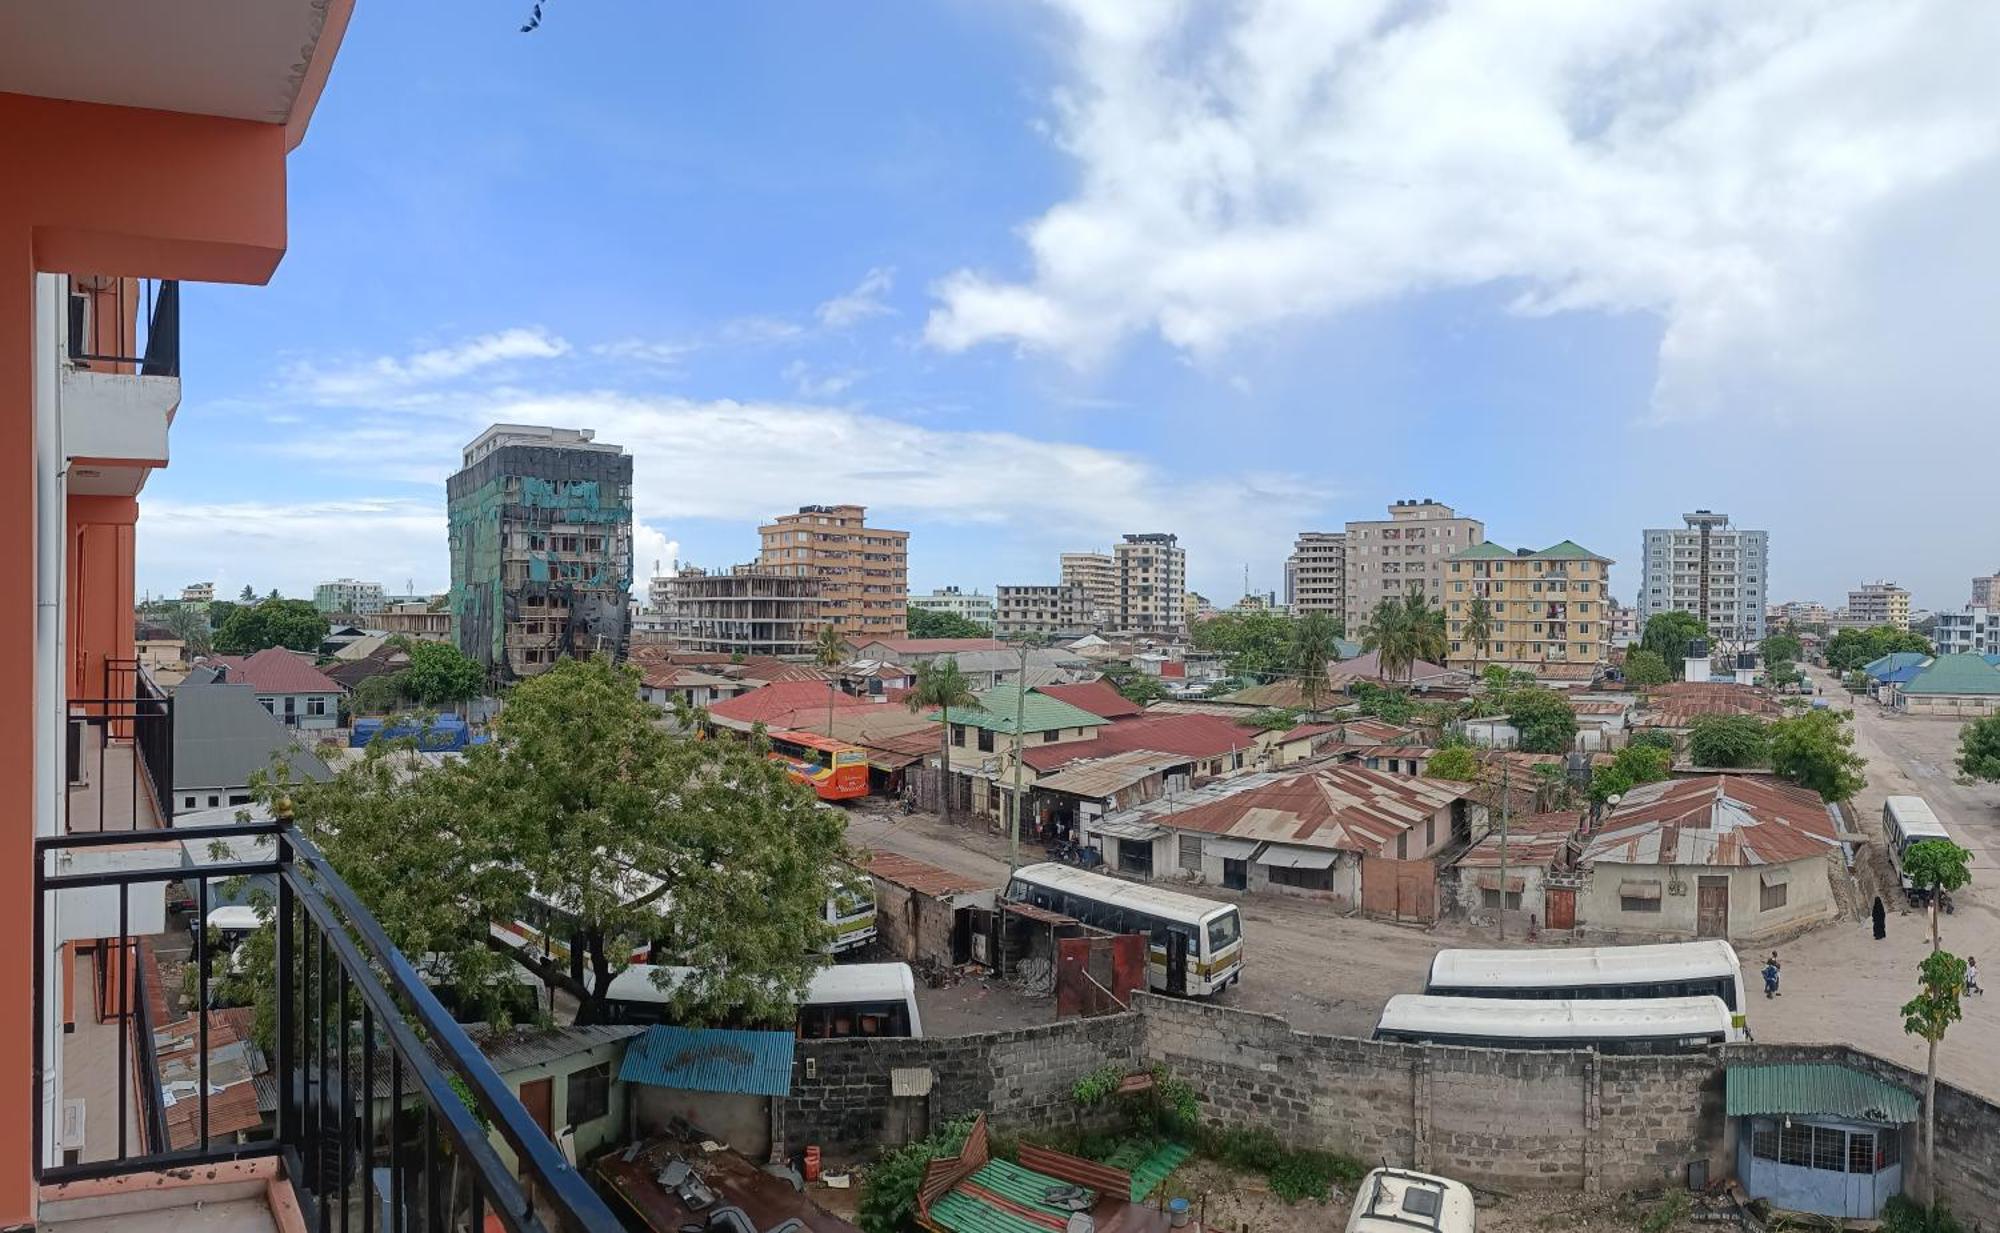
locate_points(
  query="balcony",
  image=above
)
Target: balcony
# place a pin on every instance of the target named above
(121, 381)
(358, 1102)
(120, 755)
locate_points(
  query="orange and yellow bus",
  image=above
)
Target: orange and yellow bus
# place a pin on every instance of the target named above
(835, 770)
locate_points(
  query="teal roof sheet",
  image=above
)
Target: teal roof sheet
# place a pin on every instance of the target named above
(711, 1060)
(1018, 1198)
(1955, 674)
(1815, 1090)
(1040, 713)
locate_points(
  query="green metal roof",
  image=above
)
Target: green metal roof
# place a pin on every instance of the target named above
(1568, 550)
(1955, 674)
(1816, 1089)
(964, 1211)
(1041, 713)
(1483, 552)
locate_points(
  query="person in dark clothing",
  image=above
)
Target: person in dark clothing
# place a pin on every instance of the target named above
(1771, 976)
(1881, 919)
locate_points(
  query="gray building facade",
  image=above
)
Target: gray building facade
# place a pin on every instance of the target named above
(1717, 571)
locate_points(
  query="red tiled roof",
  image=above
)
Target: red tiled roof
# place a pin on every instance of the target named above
(772, 703)
(1193, 736)
(919, 876)
(276, 670)
(1097, 697)
(1343, 807)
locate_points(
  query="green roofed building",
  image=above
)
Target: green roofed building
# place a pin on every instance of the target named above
(1548, 612)
(983, 742)
(1960, 686)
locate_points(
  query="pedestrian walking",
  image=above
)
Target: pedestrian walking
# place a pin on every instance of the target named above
(1881, 919)
(1972, 977)
(1771, 967)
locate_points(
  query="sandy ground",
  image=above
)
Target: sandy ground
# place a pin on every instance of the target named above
(1329, 973)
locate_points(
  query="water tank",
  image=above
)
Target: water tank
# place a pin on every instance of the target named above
(1746, 659)
(1697, 648)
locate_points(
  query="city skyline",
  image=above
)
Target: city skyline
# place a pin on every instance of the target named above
(776, 303)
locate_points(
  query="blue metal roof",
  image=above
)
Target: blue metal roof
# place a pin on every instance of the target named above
(1891, 662)
(711, 1060)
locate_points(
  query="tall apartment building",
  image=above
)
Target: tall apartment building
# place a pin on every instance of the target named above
(1975, 631)
(1386, 557)
(198, 593)
(1708, 567)
(1316, 573)
(748, 609)
(345, 595)
(1879, 603)
(863, 571)
(1549, 608)
(1986, 591)
(1152, 585)
(541, 547)
(970, 605)
(1047, 611)
(1097, 574)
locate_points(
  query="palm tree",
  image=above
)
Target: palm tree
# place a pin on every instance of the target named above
(1478, 629)
(1426, 630)
(1314, 645)
(942, 686)
(829, 651)
(1386, 633)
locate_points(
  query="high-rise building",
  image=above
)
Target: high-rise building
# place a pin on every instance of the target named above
(1046, 611)
(1986, 591)
(345, 595)
(749, 609)
(541, 547)
(1386, 557)
(1152, 585)
(1316, 573)
(971, 605)
(1097, 574)
(1546, 608)
(863, 571)
(1708, 567)
(1879, 603)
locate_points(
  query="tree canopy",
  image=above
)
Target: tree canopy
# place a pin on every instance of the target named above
(1630, 767)
(1815, 749)
(1728, 741)
(1851, 649)
(1404, 631)
(440, 675)
(1315, 644)
(1780, 648)
(1544, 718)
(1667, 635)
(1644, 668)
(1457, 762)
(925, 623)
(1979, 748)
(291, 623)
(1137, 686)
(941, 686)
(582, 802)
(1254, 644)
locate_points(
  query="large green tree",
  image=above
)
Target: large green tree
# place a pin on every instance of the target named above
(1255, 644)
(1315, 644)
(1728, 741)
(1781, 648)
(1667, 635)
(291, 623)
(1937, 866)
(440, 675)
(1478, 628)
(1979, 748)
(1850, 649)
(1644, 668)
(925, 623)
(1630, 767)
(1457, 762)
(1815, 749)
(1544, 718)
(1141, 687)
(940, 686)
(190, 625)
(583, 802)
(1403, 631)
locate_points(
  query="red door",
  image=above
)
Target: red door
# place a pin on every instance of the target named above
(538, 1096)
(1562, 907)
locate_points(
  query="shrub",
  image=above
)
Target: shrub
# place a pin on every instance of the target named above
(1901, 1214)
(889, 1191)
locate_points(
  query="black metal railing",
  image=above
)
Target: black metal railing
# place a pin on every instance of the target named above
(370, 1075)
(122, 746)
(99, 310)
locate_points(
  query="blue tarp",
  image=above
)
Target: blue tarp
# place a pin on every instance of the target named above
(445, 733)
(711, 1060)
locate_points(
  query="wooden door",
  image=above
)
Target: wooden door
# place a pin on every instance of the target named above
(1562, 907)
(538, 1096)
(1712, 908)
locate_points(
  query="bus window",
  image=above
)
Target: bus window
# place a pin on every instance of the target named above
(1223, 931)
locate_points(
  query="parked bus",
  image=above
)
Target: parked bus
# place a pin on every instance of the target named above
(850, 911)
(847, 1000)
(834, 770)
(1707, 968)
(1642, 1025)
(1197, 944)
(1908, 820)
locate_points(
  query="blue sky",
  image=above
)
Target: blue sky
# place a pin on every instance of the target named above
(1023, 277)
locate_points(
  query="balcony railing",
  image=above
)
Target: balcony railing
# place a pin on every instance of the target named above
(99, 334)
(378, 1095)
(121, 755)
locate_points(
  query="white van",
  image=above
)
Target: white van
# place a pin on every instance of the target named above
(1399, 1200)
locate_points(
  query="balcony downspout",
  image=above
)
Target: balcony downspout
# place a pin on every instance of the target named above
(51, 521)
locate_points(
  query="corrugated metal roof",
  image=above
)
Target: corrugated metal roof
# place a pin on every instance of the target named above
(711, 1060)
(1038, 712)
(1101, 777)
(920, 876)
(1816, 1089)
(522, 1047)
(1955, 674)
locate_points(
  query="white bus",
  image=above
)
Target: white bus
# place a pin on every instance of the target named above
(1708, 968)
(1197, 944)
(849, 999)
(1643, 1025)
(1908, 820)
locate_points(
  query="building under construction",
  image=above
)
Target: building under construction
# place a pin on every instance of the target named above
(541, 548)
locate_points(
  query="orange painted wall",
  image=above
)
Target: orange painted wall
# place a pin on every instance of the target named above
(201, 199)
(102, 564)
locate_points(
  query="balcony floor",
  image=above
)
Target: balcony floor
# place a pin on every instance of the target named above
(115, 786)
(90, 1071)
(230, 1216)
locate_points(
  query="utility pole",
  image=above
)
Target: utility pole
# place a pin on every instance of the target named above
(1506, 783)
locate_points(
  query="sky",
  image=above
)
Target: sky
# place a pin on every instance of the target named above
(1024, 277)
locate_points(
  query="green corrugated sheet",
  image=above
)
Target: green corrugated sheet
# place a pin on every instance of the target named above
(1149, 1163)
(1040, 713)
(1816, 1089)
(961, 1213)
(1484, 552)
(1955, 674)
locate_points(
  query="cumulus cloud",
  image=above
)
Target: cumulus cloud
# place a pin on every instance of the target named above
(292, 545)
(389, 375)
(863, 302)
(1741, 172)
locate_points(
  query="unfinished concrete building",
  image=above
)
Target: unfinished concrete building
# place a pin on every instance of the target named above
(748, 609)
(541, 548)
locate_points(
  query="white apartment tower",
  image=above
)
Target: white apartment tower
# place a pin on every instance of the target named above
(1316, 573)
(1386, 557)
(1152, 585)
(1710, 568)
(1096, 575)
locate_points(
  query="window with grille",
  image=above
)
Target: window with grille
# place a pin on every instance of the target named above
(1829, 1149)
(1191, 853)
(1764, 1141)
(1795, 1145)
(589, 1094)
(1490, 898)
(1770, 897)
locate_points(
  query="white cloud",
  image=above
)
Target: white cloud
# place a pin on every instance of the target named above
(1758, 176)
(389, 375)
(293, 545)
(859, 304)
(664, 353)
(653, 554)
(813, 383)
